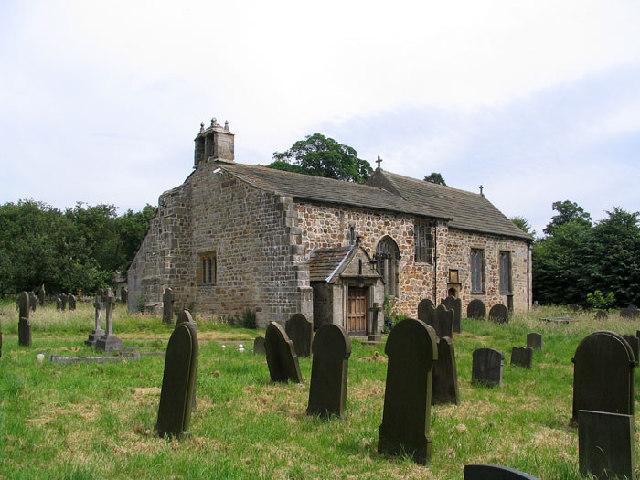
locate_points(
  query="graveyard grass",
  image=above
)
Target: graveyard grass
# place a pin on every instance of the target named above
(96, 421)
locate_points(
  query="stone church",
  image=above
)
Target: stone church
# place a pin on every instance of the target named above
(235, 237)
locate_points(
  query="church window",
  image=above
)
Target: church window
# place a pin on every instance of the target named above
(423, 239)
(207, 268)
(477, 271)
(505, 273)
(388, 260)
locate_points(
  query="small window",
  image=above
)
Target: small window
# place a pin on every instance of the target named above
(423, 239)
(477, 271)
(453, 276)
(207, 268)
(506, 286)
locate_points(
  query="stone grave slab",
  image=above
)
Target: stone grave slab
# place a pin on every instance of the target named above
(494, 472)
(499, 313)
(455, 304)
(300, 332)
(406, 418)
(426, 311)
(24, 327)
(328, 390)
(535, 341)
(476, 309)
(522, 356)
(445, 374)
(488, 367)
(168, 301)
(281, 356)
(258, 346)
(559, 320)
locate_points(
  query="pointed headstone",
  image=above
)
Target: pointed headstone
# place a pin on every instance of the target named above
(522, 356)
(445, 374)
(281, 356)
(328, 390)
(488, 367)
(300, 332)
(168, 300)
(24, 327)
(406, 417)
(499, 313)
(534, 340)
(476, 309)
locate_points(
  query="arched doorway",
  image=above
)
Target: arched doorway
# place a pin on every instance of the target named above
(388, 260)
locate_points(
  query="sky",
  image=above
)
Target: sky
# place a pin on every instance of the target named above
(537, 101)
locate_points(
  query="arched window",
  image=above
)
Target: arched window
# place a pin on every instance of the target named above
(388, 259)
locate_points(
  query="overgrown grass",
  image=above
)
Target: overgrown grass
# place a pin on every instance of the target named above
(88, 421)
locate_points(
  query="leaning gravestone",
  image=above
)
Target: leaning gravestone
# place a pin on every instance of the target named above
(97, 331)
(73, 302)
(488, 366)
(603, 375)
(258, 346)
(476, 309)
(41, 295)
(522, 356)
(168, 300)
(494, 472)
(534, 340)
(606, 444)
(63, 301)
(179, 381)
(109, 342)
(33, 301)
(445, 374)
(499, 313)
(300, 332)
(328, 390)
(24, 327)
(455, 304)
(281, 356)
(406, 417)
(426, 311)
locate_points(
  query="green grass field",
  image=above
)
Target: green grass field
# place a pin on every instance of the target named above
(94, 421)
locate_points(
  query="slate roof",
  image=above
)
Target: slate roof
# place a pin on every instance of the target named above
(324, 263)
(385, 191)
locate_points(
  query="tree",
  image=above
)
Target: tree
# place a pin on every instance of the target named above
(523, 224)
(322, 156)
(568, 211)
(436, 178)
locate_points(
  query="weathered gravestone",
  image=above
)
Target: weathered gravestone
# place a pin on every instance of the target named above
(109, 341)
(603, 375)
(630, 312)
(281, 356)
(426, 311)
(476, 309)
(179, 381)
(499, 313)
(406, 416)
(373, 336)
(97, 331)
(522, 356)
(73, 302)
(168, 301)
(494, 472)
(58, 302)
(601, 315)
(443, 322)
(63, 301)
(488, 366)
(258, 346)
(33, 301)
(634, 343)
(445, 374)
(328, 390)
(300, 332)
(534, 340)
(0, 341)
(455, 304)
(41, 295)
(124, 295)
(24, 327)
(606, 444)
(185, 317)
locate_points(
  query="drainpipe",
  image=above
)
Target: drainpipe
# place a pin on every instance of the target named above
(435, 264)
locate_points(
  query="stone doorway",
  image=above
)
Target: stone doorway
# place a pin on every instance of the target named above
(357, 303)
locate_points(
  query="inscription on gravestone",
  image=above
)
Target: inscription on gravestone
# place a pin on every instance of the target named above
(281, 356)
(534, 340)
(476, 309)
(406, 416)
(445, 374)
(24, 327)
(300, 332)
(499, 313)
(522, 356)
(488, 366)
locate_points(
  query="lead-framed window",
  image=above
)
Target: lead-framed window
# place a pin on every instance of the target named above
(207, 268)
(423, 239)
(477, 270)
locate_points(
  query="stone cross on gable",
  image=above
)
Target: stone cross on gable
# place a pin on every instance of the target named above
(379, 161)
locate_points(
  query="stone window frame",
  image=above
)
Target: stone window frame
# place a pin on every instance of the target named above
(423, 241)
(477, 270)
(505, 269)
(207, 271)
(387, 258)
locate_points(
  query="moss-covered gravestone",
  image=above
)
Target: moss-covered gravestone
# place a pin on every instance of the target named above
(426, 311)
(300, 332)
(406, 417)
(328, 390)
(476, 309)
(445, 374)
(258, 346)
(455, 304)
(24, 327)
(603, 375)
(494, 472)
(488, 367)
(281, 356)
(178, 383)
(499, 313)
(522, 356)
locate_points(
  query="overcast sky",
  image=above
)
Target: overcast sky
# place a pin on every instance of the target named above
(536, 100)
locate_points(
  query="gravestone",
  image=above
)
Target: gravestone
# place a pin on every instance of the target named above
(634, 343)
(124, 295)
(426, 311)
(41, 295)
(406, 418)
(24, 327)
(603, 375)
(33, 301)
(494, 472)
(168, 301)
(109, 342)
(281, 356)
(476, 309)
(328, 390)
(179, 381)
(455, 304)
(300, 332)
(58, 302)
(445, 374)
(630, 312)
(373, 337)
(488, 366)
(601, 315)
(606, 444)
(72, 302)
(185, 317)
(534, 340)
(522, 356)
(499, 313)
(258, 346)
(63, 301)
(97, 331)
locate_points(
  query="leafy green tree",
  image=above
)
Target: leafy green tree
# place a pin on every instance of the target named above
(436, 178)
(132, 227)
(568, 211)
(523, 224)
(322, 156)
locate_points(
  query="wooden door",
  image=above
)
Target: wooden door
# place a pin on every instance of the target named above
(357, 311)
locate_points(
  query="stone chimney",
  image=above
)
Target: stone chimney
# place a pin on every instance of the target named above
(216, 143)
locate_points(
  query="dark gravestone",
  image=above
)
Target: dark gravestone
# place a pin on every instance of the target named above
(603, 375)
(179, 381)
(109, 342)
(185, 317)
(488, 365)
(606, 444)
(406, 417)
(300, 332)
(630, 311)
(168, 300)
(73, 302)
(63, 301)
(373, 335)
(328, 390)
(494, 472)
(258, 346)
(521, 356)
(476, 309)
(445, 374)
(601, 315)
(426, 311)
(499, 313)
(281, 357)
(33, 301)
(24, 327)
(58, 302)
(454, 304)
(97, 331)
(443, 322)
(124, 295)
(534, 340)
(41, 295)
(634, 343)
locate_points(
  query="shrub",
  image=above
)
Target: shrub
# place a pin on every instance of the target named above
(598, 301)
(248, 318)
